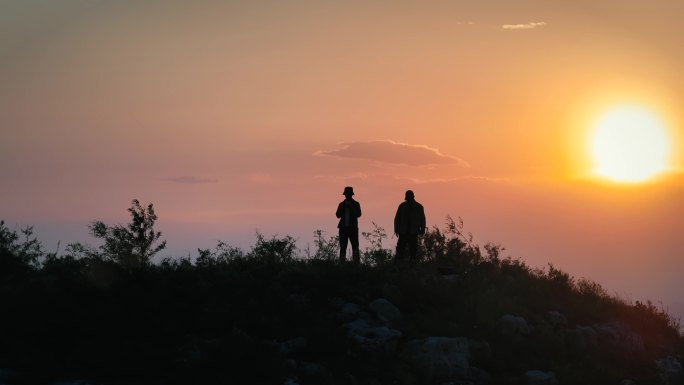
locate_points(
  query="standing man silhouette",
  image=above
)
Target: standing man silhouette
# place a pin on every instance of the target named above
(409, 223)
(349, 212)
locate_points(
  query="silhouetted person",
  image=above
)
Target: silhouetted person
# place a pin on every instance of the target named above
(349, 212)
(409, 223)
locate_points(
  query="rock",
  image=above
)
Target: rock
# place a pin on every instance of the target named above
(358, 326)
(510, 325)
(372, 338)
(386, 312)
(619, 335)
(537, 377)
(439, 358)
(669, 368)
(348, 311)
(292, 346)
(584, 337)
(556, 319)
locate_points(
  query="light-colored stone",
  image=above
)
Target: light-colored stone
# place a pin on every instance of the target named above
(348, 311)
(669, 368)
(292, 346)
(619, 335)
(386, 311)
(585, 337)
(538, 377)
(439, 358)
(556, 319)
(510, 325)
(372, 338)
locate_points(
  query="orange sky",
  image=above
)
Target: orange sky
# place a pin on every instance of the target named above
(236, 116)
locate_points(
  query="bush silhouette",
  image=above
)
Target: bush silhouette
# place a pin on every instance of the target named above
(131, 246)
(272, 315)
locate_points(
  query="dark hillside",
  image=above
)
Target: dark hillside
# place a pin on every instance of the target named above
(463, 315)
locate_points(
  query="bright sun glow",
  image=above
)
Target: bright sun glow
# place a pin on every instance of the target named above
(629, 145)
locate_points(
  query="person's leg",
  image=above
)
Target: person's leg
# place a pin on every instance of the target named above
(401, 246)
(344, 238)
(413, 247)
(354, 239)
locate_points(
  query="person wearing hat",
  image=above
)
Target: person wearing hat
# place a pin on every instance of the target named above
(349, 212)
(409, 223)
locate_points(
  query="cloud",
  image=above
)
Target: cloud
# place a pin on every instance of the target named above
(532, 25)
(393, 178)
(460, 179)
(189, 180)
(388, 151)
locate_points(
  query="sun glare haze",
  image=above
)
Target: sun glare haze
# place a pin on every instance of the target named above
(630, 144)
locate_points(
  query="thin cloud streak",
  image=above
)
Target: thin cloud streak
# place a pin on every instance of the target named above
(459, 179)
(389, 177)
(388, 151)
(531, 25)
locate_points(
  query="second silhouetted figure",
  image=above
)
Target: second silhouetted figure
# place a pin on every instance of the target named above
(349, 212)
(409, 223)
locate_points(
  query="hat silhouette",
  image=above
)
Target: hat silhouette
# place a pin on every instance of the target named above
(348, 191)
(409, 194)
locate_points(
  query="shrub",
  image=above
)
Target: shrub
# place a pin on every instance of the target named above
(223, 254)
(274, 250)
(375, 254)
(26, 251)
(326, 249)
(132, 245)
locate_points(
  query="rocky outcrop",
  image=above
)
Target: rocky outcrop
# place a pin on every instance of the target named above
(372, 338)
(438, 358)
(556, 319)
(291, 346)
(620, 336)
(669, 369)
(386, 312)
(513, 326)
(538, 377)
(584, 337)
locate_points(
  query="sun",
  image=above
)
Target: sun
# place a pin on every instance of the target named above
(629, 144)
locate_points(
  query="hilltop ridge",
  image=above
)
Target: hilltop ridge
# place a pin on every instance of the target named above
(278, 315)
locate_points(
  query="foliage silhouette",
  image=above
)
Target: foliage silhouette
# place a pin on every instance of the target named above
(225, 316)
(326, 249)
(375, 254)
(131, 246)
(22, 247)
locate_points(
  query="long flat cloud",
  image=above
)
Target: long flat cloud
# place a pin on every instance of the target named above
(388, 151)
(532, 25)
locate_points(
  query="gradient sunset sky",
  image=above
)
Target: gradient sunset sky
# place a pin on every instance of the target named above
(232, 116)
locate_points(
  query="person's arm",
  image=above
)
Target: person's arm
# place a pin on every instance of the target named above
(397, 219)
(358, 209)
(340, 210)
(423, 225)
